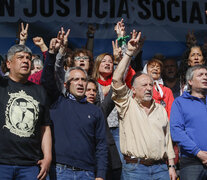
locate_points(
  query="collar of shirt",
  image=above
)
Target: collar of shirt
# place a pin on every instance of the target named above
(152, 107)
(83, 100)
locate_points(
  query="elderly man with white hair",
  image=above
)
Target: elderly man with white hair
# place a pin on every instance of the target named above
(145, 138)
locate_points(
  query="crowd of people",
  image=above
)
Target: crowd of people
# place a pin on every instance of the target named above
(72, 116)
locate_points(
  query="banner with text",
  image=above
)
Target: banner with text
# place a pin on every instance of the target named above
(160, 12)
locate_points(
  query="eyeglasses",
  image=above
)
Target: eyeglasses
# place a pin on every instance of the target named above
(78, 58)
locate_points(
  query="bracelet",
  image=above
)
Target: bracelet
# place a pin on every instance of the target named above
(172, 166)
(128, 54)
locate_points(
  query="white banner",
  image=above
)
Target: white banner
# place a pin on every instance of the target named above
(182, 13)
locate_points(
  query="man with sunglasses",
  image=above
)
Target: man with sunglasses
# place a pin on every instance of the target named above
(80, 149)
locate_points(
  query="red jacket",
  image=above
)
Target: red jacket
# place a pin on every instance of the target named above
(129, 76)
(167, 98)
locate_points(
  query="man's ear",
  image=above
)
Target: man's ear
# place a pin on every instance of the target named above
(133, 90)
(67, 86)
(190, 82)
(8, 64)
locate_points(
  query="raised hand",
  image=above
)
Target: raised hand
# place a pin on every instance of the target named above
(133, 43)
(63, 37)
(23, 34)
(54, 45)
(120, 28)
(141, 43)
(132, 48)
(117, 52)
(38, 41)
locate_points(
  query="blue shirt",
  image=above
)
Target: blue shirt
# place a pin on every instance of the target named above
(188, 124)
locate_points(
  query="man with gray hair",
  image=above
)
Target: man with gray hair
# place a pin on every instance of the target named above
(80, 150)
(145, 138)
(188, 124)
(25, 136)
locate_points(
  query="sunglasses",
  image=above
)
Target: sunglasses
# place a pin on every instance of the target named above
(78, 58)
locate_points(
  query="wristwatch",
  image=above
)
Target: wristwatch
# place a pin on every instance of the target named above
(172, 166)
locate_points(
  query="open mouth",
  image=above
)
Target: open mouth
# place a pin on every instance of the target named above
(91, 98)
(82, 64)
(148, 93)
(204, 83)
(80, 89)
(25, 67)
(155, 73)
(196, 62)
(107, 67)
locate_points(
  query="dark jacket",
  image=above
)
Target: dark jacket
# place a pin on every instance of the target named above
(107, 106)
(78, 126)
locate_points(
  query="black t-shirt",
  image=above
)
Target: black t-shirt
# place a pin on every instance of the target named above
(23, 110)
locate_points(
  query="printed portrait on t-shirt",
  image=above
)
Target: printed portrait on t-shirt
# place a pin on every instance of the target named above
(21, 114)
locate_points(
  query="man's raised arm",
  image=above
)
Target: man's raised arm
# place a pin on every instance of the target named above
(132, 48)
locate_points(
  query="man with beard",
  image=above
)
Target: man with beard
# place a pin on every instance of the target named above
(145, 138)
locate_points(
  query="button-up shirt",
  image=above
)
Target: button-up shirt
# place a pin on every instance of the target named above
(142, 135)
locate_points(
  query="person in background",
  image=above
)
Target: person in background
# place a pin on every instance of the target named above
(83, 58)
(161, 94)
(37, 65)
(36, 76)
(195, 55)
(4, 68)
(170, 76)
(91, 91)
